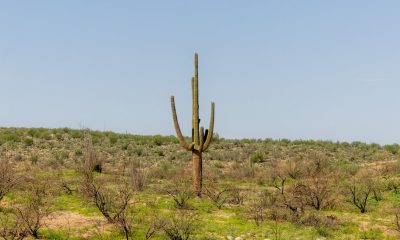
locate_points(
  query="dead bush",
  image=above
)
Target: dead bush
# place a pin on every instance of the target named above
(289, 195)
(155, 226)
(264, 206)
(181, 191)
(237, 196)
(112, 203)
(360, 190)
(317, 192)
(138, 175)
(8, 177)
(319, 220)
(393, 184)
(32, 212)
(11, 227)
(294, 167)
(92, 160)
(240, 171)
(219, 195)
(257, 212)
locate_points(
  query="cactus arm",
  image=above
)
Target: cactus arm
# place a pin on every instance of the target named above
(177, 128)
(211, 129)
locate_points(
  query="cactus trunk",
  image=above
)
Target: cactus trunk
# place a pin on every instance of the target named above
(200, 139)
(197, 171)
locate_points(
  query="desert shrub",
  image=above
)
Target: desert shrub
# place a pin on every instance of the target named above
(316, 192)
(164, 170)
(393, 148)
(218, 164)
(59, 136)
(34, 132)
(76, 134)
(237, 196)
(10, 135)
(257, 157)
(359, 191)
(317, 186)
(397, 219)
(158, 140)
(34, 159)
(377, 189)
(346, 168)
(155, 224)
(91, 159)
(219, 195)
(393, 184)
(372, 234)
(37, 205)
(19, 158)
(113, 138)
(139, 151)
(256, 211)
(160, 152)
(318, 220)
(28, 141)
(11, 226)
(324, 232)
(294, 167)
(264, 205)
(240, 171)
(181, 191)
(60, 156)
(112, 203)
(138, 175)
(46, 135)
(8, 177)
(181, 226)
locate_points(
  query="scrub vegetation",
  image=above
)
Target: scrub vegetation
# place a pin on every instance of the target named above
(82, 184)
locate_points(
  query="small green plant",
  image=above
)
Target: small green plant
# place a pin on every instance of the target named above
(34, 159)
(373, 234)
(28, 141)
(323, 232)
(257, 157)
(61, 156)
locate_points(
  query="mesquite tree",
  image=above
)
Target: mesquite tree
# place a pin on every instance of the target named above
(200, 139)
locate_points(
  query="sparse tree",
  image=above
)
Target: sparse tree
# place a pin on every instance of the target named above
(360, 192)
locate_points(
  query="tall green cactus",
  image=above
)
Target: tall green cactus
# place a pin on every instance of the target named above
(200, 139)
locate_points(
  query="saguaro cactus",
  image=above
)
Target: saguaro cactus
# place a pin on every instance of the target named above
(200, 139)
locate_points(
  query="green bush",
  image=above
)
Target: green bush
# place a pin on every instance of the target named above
(257, 157)
(393, 148)
(28, 141)
(34, 159)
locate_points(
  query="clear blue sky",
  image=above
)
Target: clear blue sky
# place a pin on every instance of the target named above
(280, 69)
